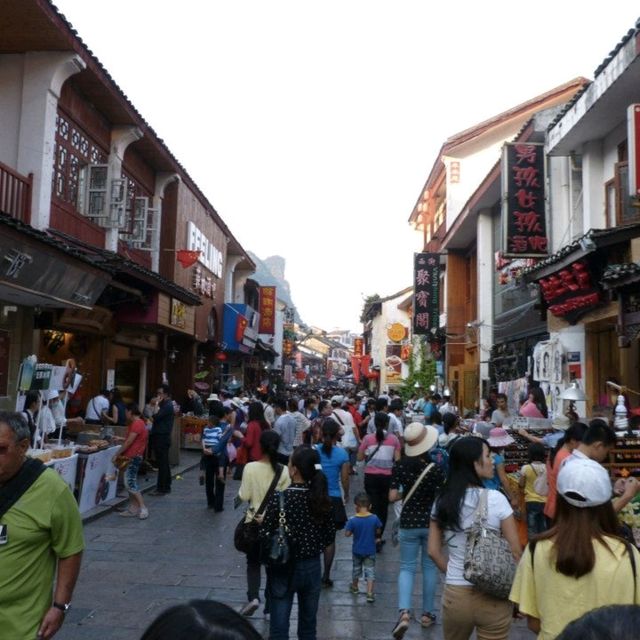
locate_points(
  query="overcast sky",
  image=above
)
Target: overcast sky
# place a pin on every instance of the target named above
(311, 126)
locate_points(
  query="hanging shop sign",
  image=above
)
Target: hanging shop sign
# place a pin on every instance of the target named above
(426, 298)
(633, 138)
(358, 346)
(396, 332)
(571, 292)
(523, 211)
(393, 364)
(267, 309)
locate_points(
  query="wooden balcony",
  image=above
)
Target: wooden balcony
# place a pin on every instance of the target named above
(15, 194)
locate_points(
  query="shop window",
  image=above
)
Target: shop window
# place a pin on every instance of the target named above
(73, 152)
(139, 220)
(625, 211)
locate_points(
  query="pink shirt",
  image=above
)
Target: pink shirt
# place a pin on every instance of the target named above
(529, 410)
(381, 459)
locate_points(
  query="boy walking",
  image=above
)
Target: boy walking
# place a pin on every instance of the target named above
(366, 528)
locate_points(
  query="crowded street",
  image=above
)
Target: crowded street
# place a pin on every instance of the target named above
(319, 320)
(134, 570)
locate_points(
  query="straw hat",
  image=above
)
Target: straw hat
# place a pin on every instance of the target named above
(419, 438)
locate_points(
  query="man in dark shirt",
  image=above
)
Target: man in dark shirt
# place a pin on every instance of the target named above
(161, 438)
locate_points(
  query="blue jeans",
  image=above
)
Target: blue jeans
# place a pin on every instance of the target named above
(302, 579)
(536, 522)
(412, 543)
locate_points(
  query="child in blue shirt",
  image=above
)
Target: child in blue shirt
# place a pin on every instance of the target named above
(366, 529)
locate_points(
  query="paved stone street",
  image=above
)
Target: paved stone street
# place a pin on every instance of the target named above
(134, 569)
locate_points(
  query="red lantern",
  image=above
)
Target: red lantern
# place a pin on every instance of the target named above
(221, 356)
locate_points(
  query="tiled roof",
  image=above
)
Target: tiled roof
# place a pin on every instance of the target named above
(116, 264)
(600, 68)
(593, 235)
(41, 236)
(615, 272)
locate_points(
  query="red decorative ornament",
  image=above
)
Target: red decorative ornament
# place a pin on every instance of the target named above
(221, 356)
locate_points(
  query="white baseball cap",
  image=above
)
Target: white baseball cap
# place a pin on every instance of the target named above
(583, 482)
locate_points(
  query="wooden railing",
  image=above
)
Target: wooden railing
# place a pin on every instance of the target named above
(15, 194)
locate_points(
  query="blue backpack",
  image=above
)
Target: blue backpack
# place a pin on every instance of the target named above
(440, 455)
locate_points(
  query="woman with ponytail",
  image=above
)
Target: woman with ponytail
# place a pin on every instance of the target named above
(336, 468)
(256, 480)
(379, 450)
(310, 529)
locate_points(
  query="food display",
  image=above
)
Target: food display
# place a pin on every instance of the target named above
(43, 455)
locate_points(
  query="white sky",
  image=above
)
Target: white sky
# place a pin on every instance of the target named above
(312, 125)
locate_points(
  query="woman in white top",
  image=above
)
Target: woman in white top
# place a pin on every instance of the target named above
(465, 608)
(256, 480)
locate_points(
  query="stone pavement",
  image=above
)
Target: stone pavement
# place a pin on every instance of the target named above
(134, 569)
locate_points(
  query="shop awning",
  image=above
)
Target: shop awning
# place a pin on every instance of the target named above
(262, 348)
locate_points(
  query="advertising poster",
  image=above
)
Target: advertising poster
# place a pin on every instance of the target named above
(99, 479)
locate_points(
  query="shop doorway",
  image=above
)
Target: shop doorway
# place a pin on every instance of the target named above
(127, 379)
(603, 363)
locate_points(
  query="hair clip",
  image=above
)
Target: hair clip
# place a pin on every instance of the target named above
(318, 467)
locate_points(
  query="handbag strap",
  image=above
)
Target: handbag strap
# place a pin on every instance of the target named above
(480, 515)
(369, 458)
(270, 490)
(416, 483)
(337, 418)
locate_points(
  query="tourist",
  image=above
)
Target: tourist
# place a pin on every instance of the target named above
(310, 527)
(335, 466)
(464, 607)
(256, 480)
(533, 478)
(580, 563)
(419, 479)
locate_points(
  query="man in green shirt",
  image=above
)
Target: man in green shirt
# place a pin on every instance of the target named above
(40, 538)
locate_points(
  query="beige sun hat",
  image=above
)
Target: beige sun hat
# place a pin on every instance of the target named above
(419, 438)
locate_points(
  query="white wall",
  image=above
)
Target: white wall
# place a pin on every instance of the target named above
(11, 70)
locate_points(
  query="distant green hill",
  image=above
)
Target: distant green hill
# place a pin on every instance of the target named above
(270, 273)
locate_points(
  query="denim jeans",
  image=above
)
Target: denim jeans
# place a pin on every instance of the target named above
(302, 579)
(536, 522)
(412, 543)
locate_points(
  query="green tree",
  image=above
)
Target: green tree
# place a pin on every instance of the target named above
(368, 301)
(422, 369)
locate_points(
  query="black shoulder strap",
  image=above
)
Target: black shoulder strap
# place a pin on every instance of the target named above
(338, 418)
(270, 490)
(11, 492)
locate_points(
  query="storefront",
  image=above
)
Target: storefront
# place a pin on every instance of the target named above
(39, 277)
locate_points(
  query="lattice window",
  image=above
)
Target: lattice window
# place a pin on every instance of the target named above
(74, 151)
(139, 218)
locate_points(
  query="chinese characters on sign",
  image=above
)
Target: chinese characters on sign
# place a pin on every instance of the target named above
(571, 292)
(204, 285)
(178, 314)
(267, 310)
(426, 284)
(523, 212)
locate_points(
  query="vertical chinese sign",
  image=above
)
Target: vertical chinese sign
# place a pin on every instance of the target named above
(426, 298)
(267, 310)
(523, 209)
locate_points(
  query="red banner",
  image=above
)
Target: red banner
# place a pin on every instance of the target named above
(355, 367)
(267, 310)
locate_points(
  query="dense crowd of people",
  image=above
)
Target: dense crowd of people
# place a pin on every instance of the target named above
(434, 485)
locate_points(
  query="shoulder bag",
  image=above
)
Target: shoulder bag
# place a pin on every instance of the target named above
(275, 551)
(395, 528)
(246, 534)
(488, 561)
